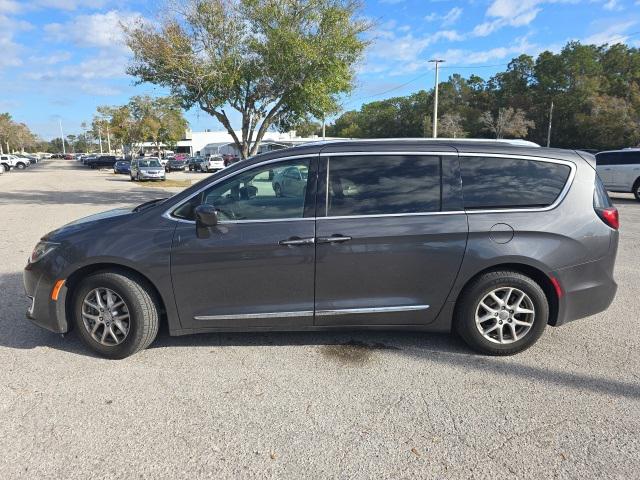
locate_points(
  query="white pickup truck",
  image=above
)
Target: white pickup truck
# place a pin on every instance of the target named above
(11, 161)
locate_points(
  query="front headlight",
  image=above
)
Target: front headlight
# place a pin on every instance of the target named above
(41, 249)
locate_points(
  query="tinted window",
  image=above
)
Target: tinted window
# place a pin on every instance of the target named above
(618, 158)
(374, 185)
(257, 194)
(511, 183)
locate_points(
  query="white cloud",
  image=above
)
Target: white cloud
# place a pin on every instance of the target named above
(12, 52)
(513, 13)
(9, 7)
(51, 59)
(452, 16)
(101, 30)
(70, 4)
(614, 33)
(612, 5)
(408, 47)
(477, 57)
(447, 19)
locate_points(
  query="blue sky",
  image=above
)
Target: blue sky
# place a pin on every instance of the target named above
(59, 59)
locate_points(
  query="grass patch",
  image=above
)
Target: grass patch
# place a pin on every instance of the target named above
(167, 183)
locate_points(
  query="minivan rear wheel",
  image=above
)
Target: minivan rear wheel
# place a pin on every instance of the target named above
(501, 313)
(636, 189)
(115, 314)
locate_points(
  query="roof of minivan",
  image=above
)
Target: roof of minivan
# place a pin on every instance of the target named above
(420, 144)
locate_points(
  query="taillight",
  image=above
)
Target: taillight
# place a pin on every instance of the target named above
(609, 216)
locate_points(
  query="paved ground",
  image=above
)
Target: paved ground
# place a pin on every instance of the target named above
(383, 405)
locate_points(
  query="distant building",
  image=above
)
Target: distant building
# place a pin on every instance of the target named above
(221, 143)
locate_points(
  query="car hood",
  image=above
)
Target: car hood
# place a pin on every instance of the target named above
(86, 222)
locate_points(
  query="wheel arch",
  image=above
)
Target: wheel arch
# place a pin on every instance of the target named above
(73, 280)
(530, 271)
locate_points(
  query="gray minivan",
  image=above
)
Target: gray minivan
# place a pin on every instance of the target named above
(492, 240)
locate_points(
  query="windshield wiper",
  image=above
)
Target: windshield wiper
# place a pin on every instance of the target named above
(144, 205)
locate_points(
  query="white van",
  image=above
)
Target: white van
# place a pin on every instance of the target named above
(620, 170)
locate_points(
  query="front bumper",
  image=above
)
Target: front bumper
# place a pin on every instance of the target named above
(44, 311)
(152, 176)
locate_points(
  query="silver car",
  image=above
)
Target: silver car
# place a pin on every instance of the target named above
(291, 181)
(147, 169)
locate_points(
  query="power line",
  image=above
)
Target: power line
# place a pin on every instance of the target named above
(415, 79)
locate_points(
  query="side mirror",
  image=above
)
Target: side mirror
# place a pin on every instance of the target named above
(206, 217)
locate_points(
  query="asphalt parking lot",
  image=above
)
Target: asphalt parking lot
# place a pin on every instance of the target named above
(305, 405)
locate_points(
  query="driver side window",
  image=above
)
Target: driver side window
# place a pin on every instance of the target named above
(261, 193)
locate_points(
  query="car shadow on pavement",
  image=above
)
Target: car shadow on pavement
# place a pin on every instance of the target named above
(351, 347)
(120, 177)
(84, 197)
(624, 201)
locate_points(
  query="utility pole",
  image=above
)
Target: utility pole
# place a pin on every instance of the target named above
(100, 138)
(64, 151)
(550, 120)
(437, 61)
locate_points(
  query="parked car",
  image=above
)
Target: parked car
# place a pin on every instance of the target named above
(211, 163)
(492, 240)
(102, 161)
(122, 166)
(193, 164)
(5, 163)
(13, 161)
(620, 170)
(147, 169)
(176, 164)
(290, 181)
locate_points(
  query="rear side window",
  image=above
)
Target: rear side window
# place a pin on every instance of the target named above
(600, 196)
(383, 184)
(489, 182)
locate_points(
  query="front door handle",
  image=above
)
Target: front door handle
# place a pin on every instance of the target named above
(334, 239)
(297, 241)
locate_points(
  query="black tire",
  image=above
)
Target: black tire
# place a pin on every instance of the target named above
(143, 312)
(636, 189)
(21, 166)
(465, 314)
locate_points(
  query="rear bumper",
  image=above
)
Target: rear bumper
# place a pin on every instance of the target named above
(43, 311)
(587, 289)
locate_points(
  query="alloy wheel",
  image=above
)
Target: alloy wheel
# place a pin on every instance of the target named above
(505, 315)
(105, 315)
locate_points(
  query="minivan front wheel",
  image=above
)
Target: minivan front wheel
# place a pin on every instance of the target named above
(501, 313)
(115, 314)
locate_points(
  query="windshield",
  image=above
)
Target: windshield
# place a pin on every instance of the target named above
(148, 163)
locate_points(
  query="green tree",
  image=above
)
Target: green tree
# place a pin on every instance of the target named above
(273, 61)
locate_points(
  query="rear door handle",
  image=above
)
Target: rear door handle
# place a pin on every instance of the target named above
(334, 239)
(297, 241)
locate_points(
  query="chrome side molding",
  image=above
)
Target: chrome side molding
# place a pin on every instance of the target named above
(310, 313)
(351, 311)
